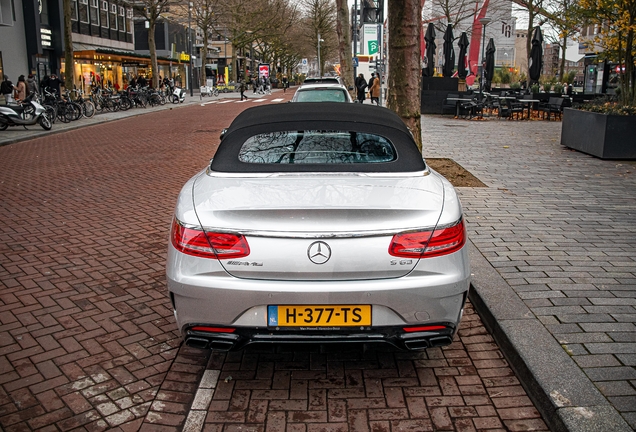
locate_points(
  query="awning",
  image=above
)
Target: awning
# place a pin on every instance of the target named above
(125, 54)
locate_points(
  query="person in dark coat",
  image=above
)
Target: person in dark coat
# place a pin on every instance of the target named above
(361, 86)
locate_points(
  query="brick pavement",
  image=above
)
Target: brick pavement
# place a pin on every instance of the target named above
(559, 228)
(87, 337)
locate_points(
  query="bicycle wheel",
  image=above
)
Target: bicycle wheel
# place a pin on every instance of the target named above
(88, 109)
(61, 114)
(77, 110)
(51, 112)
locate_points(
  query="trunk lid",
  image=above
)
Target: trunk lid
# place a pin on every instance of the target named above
(323, 227)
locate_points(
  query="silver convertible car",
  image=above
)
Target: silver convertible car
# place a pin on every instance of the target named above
(318, 222)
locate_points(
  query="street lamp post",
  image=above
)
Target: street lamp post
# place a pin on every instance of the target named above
(319, 71)
(190, 46)
(484, 22)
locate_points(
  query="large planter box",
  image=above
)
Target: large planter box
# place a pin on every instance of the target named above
(601, 135)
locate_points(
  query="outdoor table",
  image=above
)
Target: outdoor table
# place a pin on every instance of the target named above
(457, 101)
(529, 103)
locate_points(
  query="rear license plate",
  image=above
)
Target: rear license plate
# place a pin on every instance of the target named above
(318, 316)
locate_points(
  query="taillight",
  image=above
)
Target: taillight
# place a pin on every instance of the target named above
(427, 244)
(203, 244)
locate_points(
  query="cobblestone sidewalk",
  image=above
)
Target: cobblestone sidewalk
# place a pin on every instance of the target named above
(559, 227)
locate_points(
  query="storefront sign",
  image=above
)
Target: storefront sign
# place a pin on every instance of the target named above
(46, 36)
(184, 57)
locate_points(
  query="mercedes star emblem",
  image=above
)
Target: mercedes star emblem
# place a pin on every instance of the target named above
(319, 252)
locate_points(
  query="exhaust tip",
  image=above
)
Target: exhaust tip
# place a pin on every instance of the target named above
(196, 342)
(416, 344)
(440, 341)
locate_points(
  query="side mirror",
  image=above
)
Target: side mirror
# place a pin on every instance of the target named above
(350, 88)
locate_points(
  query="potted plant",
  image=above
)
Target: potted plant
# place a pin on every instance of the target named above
(603, 128)
(607, 128)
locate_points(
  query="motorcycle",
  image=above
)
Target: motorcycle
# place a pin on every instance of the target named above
(178, 95)
(28, 113)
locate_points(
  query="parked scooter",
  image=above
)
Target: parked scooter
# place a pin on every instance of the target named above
(178, 95)
(28, 113)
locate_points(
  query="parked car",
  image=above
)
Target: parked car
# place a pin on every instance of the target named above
(317, 222)
(322, 93)
(322, 80)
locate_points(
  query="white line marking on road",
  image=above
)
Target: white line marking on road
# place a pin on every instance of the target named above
(202, 399)
(226, 101)
(260, 100)
(277, 100)
(208, 103)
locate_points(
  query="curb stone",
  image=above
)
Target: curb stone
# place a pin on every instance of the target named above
(566, 398)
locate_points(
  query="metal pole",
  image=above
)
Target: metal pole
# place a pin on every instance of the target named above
(355, 37)
(319, 71)
(190, 45)
(484, 22)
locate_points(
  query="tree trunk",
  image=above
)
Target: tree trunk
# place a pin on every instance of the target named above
(344, 43)
(153, 52)
(69, 68)
(565, 47)
(204, 57)
(405, 82)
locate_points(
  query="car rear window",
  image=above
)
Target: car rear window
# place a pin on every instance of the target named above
(316, 147)
(321, 95)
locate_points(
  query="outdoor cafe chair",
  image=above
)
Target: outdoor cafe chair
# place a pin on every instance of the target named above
(450, 105)
(554, 106)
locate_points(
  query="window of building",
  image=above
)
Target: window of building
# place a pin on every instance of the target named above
(94, 12)
(83, 11)
(103, 14)
(113, 17)
(7, 15)
(129, 21)
(122, 19)
(74, 13)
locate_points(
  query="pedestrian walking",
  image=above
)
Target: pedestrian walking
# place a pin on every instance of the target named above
(7, 89)
(242, 87)
(374, 90)
(361, 86)
(285, 83)
(32, 85)
(21, 89)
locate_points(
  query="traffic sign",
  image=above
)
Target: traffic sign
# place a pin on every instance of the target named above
(355, 62)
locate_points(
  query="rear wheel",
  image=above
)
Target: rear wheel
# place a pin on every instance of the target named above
(88, 109)
(45, 122)
(3, 126)
(175, 99)
(51, 112)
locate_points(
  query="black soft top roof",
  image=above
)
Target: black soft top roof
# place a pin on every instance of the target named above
(332, 116)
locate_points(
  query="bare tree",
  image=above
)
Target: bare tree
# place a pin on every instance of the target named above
(151, 10)
(405, 83)
(345, 53)
(205, 18)
(320, 19)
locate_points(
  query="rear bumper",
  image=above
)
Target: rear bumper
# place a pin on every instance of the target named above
(396, 336)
